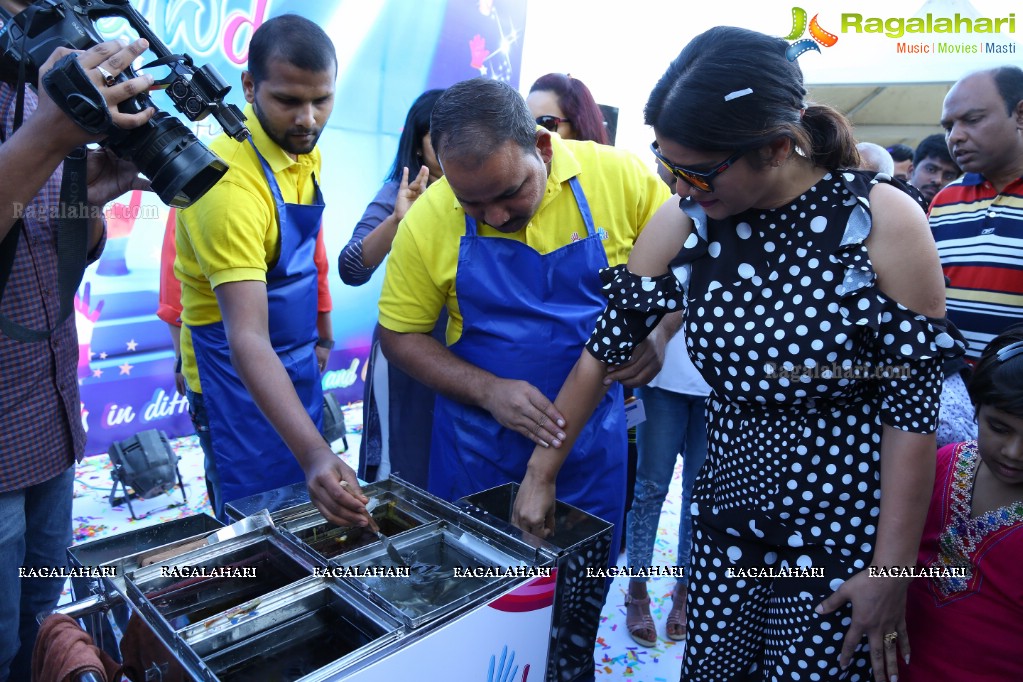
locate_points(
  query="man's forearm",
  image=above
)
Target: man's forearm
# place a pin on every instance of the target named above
(27, 160)
(670, 324)
(431, 363)
(267, 381)
(97, 228)
(324, 329)
(175, 334)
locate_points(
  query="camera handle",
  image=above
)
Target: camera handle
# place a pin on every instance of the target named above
(77, 96)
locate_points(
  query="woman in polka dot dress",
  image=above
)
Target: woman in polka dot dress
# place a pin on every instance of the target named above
(814, 308)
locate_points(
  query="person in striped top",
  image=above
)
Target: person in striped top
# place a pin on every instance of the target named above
(977, 220)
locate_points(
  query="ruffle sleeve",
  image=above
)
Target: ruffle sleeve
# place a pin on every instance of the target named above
(911, 347)
(635, 306)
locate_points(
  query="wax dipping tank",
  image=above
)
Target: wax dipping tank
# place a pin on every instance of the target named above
(284, 595)
(246, 607)
(580, 541)
(393, 514)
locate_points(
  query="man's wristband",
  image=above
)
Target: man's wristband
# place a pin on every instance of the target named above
(325, 343)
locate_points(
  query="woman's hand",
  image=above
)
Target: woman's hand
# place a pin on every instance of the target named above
(878, 609)
(408, 192)
(533, 510)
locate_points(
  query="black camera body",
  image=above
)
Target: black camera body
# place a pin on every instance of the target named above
(180, 168)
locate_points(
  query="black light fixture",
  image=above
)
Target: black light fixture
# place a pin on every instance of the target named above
(610, 121)
(333, 420)
(147, 464)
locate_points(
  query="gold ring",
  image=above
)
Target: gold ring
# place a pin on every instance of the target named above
(108, 77)
(889, 639)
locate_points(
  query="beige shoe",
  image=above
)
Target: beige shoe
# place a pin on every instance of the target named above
(676, 623)
(639, 622)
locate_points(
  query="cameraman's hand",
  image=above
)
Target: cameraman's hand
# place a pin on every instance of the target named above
(112, 56)
(108, 176)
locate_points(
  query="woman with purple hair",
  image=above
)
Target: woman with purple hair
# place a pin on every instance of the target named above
(564, 105)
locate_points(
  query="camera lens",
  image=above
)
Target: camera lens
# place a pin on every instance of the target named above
(180, 168)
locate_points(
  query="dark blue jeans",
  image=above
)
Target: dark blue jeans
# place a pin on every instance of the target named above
(35, 531)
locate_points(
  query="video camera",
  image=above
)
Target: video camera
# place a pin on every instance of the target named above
(180, 168)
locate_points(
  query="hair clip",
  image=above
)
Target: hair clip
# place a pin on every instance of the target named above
(736, 94)
(1006, 353)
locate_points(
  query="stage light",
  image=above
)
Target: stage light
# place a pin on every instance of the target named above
(147, 464)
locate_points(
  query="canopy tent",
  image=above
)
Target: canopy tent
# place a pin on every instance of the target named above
(887, 114)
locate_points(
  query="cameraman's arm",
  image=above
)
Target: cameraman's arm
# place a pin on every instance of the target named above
(107, 177)
(97, 228)
(30, 156)
(27, 160)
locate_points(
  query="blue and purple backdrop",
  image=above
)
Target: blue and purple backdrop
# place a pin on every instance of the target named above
(389, 51)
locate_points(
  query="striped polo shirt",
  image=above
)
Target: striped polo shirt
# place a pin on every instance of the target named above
(979, 233)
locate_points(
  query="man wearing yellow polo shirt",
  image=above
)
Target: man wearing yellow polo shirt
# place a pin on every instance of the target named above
(245, 258)
(511, 241)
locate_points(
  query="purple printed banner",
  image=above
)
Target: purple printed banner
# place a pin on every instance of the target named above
(126, 359)
(142, 396)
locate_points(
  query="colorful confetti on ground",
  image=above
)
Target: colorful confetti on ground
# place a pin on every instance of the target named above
(617, 656)
(94, 517)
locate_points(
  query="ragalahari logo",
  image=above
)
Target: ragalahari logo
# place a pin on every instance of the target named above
(817, 35)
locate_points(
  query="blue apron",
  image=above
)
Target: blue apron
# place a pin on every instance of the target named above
(251, 457)
(527, 316)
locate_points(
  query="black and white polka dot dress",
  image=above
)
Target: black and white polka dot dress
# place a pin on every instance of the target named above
(807, 358)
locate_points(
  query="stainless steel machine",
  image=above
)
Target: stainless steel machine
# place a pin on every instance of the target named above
(284, 595)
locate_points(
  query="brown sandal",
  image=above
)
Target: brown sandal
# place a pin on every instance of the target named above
(676, 623)
(638, 621)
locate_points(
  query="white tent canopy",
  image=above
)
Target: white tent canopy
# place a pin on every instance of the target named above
(887, 114)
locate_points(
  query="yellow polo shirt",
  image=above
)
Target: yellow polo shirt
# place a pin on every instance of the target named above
(623, 194)
(231, 234)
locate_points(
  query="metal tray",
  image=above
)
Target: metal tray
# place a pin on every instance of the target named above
(310, 629)
(327, 541)
(573, 527)
(127, 551)
(176, 601)
(433, 553)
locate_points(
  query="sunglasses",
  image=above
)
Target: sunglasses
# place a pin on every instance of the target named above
(698, 179)
(551, 123)
(1010, 351)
